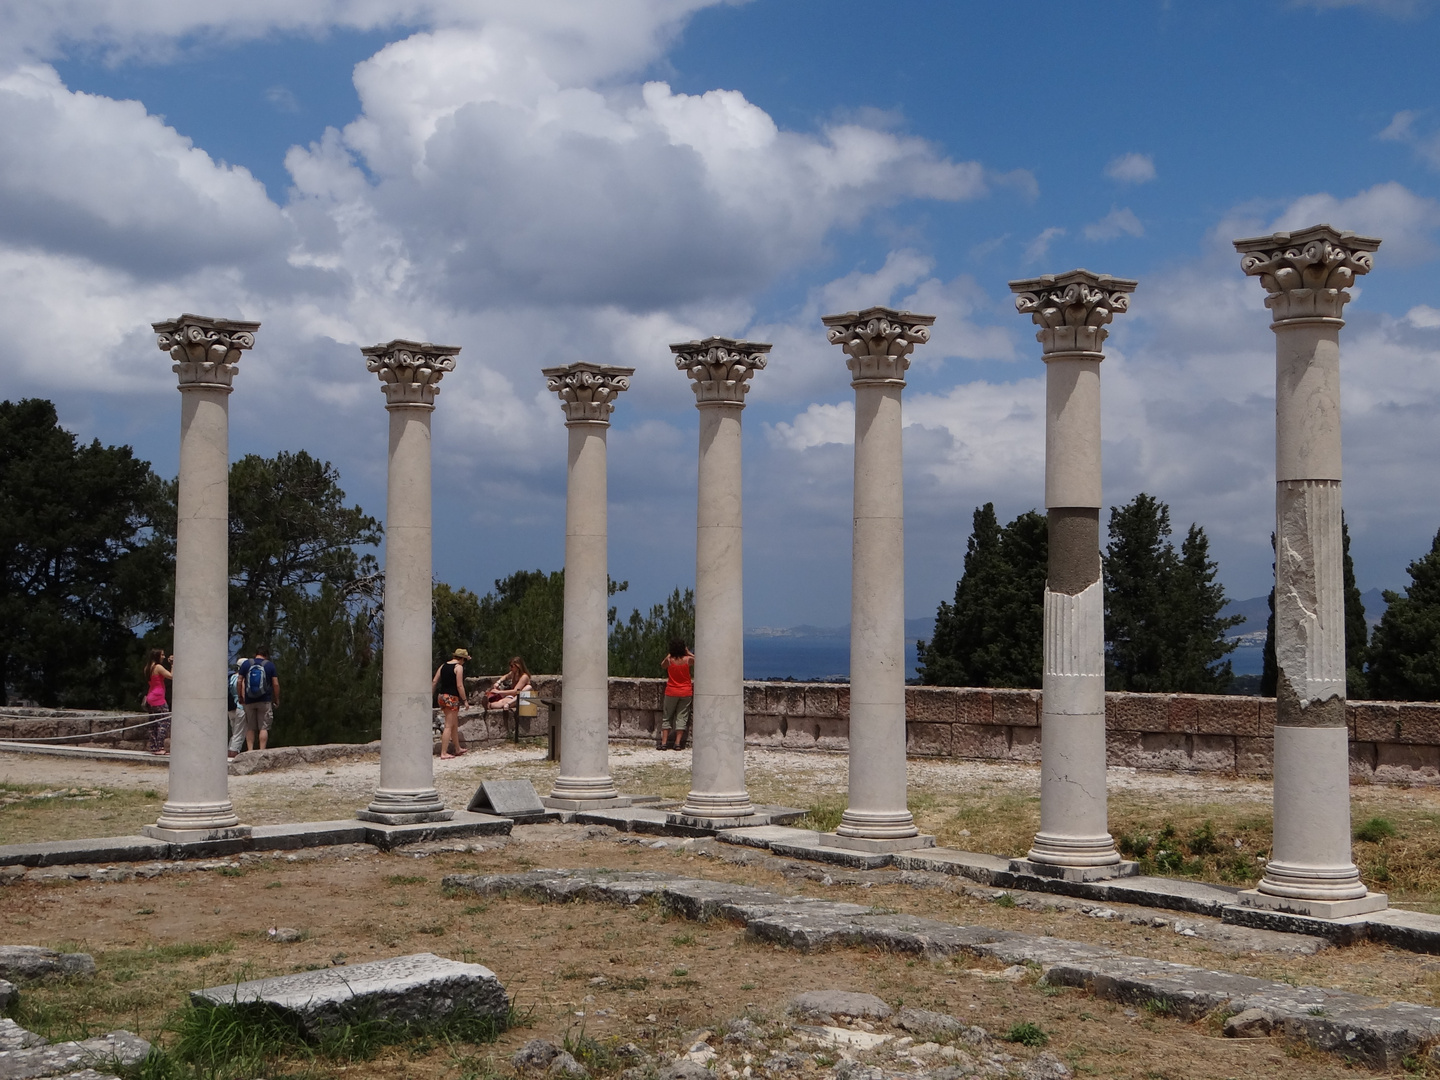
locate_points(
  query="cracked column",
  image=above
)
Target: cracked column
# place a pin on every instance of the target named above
(587, 394)
(410, 372)
(197, 805)
(878, 343)
(1311, 871)
(1074, 840)
(721, 369)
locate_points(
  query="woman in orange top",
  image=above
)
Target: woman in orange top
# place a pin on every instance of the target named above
(679, 668)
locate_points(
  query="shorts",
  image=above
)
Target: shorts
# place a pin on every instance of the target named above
(258, 716)
(677, 713)
(448, 702)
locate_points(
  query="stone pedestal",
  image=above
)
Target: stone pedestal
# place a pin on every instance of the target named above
(410, 372)
(587, 394)
(197, 807)
(721, 369)
(878, 343)
(1311, 871)
(1074, 841)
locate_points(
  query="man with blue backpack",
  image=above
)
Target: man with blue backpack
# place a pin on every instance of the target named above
(259, 695)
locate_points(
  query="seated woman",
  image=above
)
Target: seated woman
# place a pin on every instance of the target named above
(509, 687)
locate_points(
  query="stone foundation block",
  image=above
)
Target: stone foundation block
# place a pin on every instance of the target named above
(1362, 761)
(1407, 762)
(801, 733)
(973, 706)
(832, 734)
(636, 723)
(762, 729)
(614, 723)
(822, 702)
(1255, 757)
(930, 704)
(1213, 753)
(1016, 708)
(649, 694)
(1024, 744)
(1165, 750)
(755, 699)
(624, 694)
(1375, 721)
(1123, 748)
(1137, 712)
(1227, 715)
(785, 699)
(1265, 717)
(1183, 714)
(1419, 723)
(927, 740)
(979, 741)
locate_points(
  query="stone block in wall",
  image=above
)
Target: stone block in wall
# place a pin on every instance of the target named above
(927, 740)
(762, 729)
(1407, 763)
(1212, 753)
(1016, 708)
(1225, 715)
(649, 693)
(755, 700)
(930, 704)
(1419, 723)
(1254, 756)
(624, 694)
(1165, 750)
(1137, 712)
(842, 700)
(637, 723)
(832, 733)
(614, 723)
(822, 701)
(1183, 713)
(973, 706)
(1362, 761)
(980, 741)
(9, 729)
(785, 699)
(801, 733)
(1374, 721)
(1024, 744)
(1265, 717)
(1123, 748)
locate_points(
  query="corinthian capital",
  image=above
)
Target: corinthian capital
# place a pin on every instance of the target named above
(720, 367)
(1306, 272)
(1072, 309)
(878, 341)
(410, 371)
(204, 350)
(588, 391)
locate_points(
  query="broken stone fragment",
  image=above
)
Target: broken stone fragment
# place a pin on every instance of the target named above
(840, 1003)
(565, 1067)
(68, 1058)
(939, 1026)
(1250, 1024)
(33, 962)
(535, 1054)
(14, 1037)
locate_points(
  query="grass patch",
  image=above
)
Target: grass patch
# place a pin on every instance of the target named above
(1027, 1034)
(823, 814)
(1375, 830)
(405, 879)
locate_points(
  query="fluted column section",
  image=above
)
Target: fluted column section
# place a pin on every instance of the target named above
(197, 806)
(877, 343)
(409, 372)
(1072, 311)
(587, 394)
(1305, 275)
(721, 369)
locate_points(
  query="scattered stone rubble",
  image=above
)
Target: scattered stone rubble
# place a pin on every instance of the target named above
(25, 1055)
(21, 962)
(1365, 1029)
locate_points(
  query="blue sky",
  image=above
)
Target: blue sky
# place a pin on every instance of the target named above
(540, 183)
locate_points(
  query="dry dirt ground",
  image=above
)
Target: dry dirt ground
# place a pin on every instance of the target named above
(619, 974)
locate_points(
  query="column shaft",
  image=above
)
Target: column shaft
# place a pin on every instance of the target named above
(199, 799)
(585, 714)
(718, 761)
(407, 771)
(877, 807)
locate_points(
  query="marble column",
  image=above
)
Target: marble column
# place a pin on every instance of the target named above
(410, 372)
(1311, 871)
(1074, 842)
(720, 369)
(587, 394)
(197, 806)
(878, 342)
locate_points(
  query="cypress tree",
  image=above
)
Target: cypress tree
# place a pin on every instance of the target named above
(1357, 634)
(1405, 652)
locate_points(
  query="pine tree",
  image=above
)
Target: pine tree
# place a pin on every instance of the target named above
(1405, 651)
(991, 635)
(1163, 627)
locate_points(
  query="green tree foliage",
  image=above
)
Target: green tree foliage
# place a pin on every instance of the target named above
(327, 655)
(459, 623)
(1357, 634)
(86, 561)
(1163, 627)
(639, 644)
(1405, 651)
(290, 533)
(991, 635)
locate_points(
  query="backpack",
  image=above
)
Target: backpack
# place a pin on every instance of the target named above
(233, 691)
(256, 685)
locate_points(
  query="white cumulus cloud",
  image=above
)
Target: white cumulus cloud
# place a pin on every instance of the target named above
(1119, 222)
(1131, 168)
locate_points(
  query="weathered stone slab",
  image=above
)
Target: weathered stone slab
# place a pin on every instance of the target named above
(705, 900)
(548, 886)
(59, 1059)
(1344, 931)
(840, 1003)
(14, 1037)
(1413, 930)
(763, 836)
(401, 989)
(7, 995)
(67, 852)
(306, 834)
(636, 819)
(974, 865)
(855, 860)
(463, 824)
(514, 799)
(33, 962)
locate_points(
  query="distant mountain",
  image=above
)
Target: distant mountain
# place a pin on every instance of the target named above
(914, 628)
(1257, 613)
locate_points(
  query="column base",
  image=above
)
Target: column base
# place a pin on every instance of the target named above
(1075, 873)
(614, 802)
(195, 836)
(873, 845)
(405, 808)
(877, 825)
(417, 818)
(195, 818)
(719, 807)
(1316, 909)
(1073, 852)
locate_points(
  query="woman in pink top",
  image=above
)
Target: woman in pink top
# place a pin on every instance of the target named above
(155, 675)
(679, 669)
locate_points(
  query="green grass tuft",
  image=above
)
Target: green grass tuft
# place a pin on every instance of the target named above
(1027, 1034)
(1375, 830)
